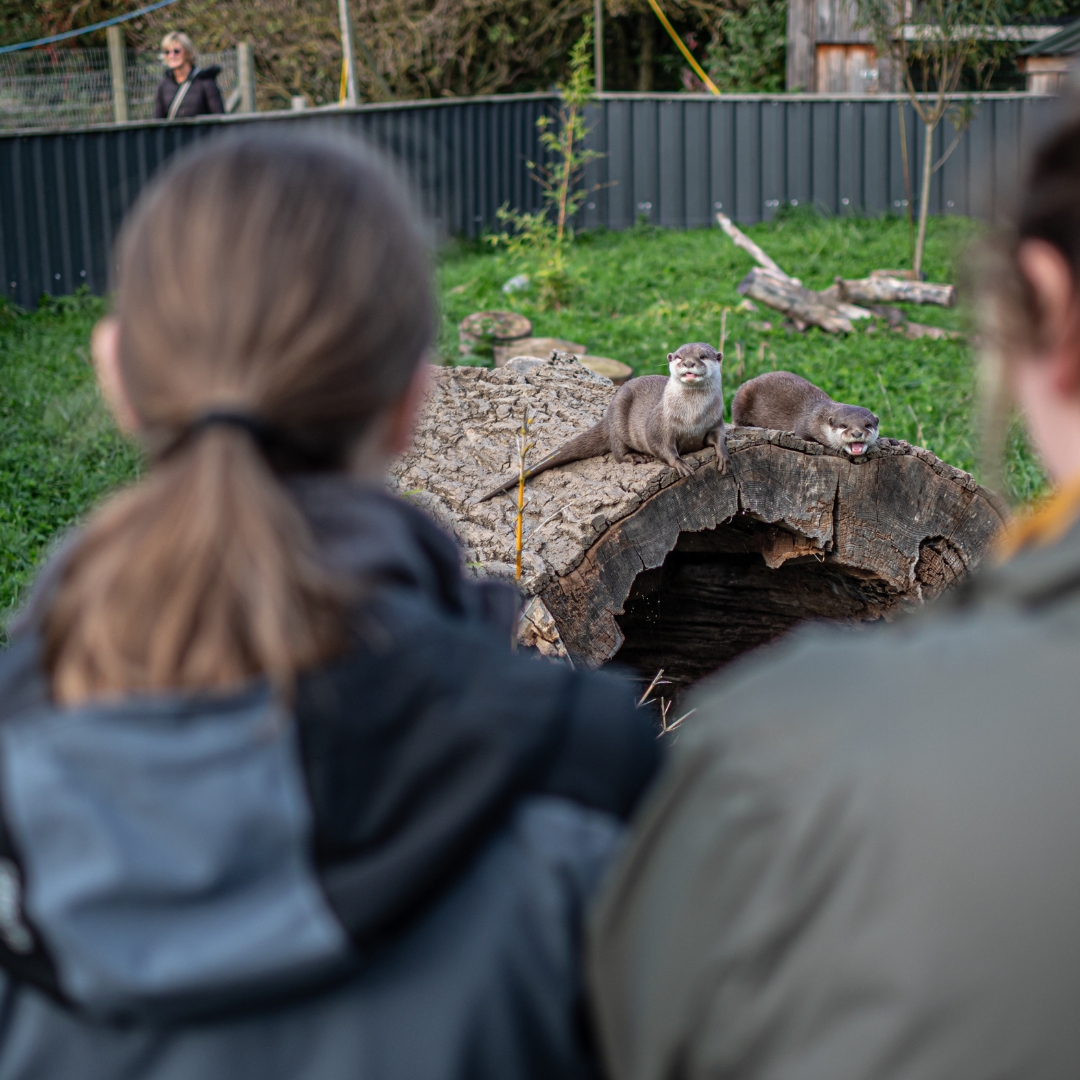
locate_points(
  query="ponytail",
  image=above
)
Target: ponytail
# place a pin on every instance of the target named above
(286, 282)
(203, 575)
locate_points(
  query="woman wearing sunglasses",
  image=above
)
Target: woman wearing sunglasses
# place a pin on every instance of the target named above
(185, 89)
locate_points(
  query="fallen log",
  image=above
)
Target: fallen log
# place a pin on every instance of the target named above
(801, 304)
(781, 298)
(886, 290)
(633, 564)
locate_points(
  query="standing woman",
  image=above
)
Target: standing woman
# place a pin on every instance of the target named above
(185, 88)
(277, 799)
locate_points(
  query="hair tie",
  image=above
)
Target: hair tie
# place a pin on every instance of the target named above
(258, 429)
(284, 451)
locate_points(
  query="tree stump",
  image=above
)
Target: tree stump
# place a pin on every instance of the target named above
(633, 564)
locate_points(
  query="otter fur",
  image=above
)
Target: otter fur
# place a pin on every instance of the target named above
(663, 416)
(783, 401)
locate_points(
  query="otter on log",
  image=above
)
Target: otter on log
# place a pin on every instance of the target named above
(658, 415)
(783, 401)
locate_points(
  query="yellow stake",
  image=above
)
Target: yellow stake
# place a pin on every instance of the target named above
(343, 91)
(698, 69)
(523, 448)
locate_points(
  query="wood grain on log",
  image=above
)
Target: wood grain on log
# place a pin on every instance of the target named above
(794, 300)
(633, 563)
(885, 290)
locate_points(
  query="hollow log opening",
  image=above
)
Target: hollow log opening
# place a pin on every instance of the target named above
(715, 597)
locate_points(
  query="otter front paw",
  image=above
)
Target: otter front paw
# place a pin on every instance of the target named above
(683, 468)
(722, 462)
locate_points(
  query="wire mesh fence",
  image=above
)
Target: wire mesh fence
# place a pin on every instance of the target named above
(62, 88)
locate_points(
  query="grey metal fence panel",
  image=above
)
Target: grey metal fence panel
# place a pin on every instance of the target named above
(671, 160)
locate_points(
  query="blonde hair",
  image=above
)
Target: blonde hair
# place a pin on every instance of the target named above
(283, 280)
(180, 38)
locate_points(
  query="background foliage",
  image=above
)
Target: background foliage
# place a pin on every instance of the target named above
(422, 48)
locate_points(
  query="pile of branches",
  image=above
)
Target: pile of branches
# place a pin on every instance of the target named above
(836, 308)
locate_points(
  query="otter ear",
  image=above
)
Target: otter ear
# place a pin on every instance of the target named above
(876, 421)
(670, 357)
(832, 421)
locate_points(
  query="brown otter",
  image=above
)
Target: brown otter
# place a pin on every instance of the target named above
(783, 401)
(659, 415)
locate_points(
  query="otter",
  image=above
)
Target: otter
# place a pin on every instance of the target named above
(658, 415)
(785, 402)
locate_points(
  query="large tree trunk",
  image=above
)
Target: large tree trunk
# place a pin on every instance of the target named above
(631, 563)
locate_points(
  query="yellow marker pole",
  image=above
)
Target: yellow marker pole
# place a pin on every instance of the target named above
(698, 69)
(344, 89)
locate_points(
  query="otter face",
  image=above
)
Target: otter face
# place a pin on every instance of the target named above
(851, 429)
(695, 364)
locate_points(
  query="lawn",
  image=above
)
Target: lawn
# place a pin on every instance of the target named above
(641, 294)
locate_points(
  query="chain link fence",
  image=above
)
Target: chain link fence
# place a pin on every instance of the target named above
(63, 88)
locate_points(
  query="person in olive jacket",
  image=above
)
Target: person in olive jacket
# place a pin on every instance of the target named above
(862, 862)
(185, 88)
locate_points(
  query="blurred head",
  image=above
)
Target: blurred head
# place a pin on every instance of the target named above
(1029, 308)
(286, 282)
(177, 50)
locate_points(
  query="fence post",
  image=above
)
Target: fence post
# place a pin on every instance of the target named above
(245, 76)
(598, 43)
(349, 53)
(118, 69)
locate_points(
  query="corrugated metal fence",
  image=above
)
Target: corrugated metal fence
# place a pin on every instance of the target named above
(671, 160)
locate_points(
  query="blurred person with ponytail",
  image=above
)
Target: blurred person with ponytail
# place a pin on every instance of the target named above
(861, 862)
(276, 797)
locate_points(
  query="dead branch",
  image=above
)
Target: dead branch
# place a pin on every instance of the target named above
(886, 290)
(799, 303)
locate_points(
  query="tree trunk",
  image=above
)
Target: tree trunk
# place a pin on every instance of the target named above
(645, 56)
(632, 563)
(924, 200)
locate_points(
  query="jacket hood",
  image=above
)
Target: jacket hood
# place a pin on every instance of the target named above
(156, 852)
(173, 854)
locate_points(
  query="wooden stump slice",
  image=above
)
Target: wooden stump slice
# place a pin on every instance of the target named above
(632, 564)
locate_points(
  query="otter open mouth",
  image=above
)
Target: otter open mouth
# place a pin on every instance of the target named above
(690, 376)
(856, 448)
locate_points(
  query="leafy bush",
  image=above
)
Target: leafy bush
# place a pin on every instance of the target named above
(749, 51)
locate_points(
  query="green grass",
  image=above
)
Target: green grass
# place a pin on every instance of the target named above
(641, 294)
(644, 292)
(59, 452)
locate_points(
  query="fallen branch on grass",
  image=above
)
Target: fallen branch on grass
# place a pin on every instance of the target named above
(740, 239)
(803, 306)
(800, 304)
(889, 290)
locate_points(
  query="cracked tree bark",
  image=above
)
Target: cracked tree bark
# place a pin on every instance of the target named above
(631, 563)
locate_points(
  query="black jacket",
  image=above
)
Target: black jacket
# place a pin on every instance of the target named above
(203, 96)
(386, 880)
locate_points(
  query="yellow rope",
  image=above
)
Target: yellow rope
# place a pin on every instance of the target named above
(698, 69)
(344, 82)
(1043, 525)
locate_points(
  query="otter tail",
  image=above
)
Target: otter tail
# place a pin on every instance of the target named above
(591, 443)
